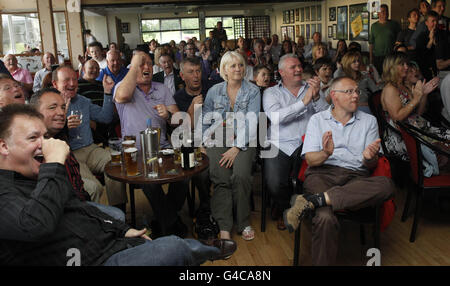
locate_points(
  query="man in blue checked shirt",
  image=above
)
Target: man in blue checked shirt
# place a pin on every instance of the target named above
(91, 157)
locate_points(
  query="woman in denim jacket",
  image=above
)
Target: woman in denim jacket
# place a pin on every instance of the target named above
(229, 124)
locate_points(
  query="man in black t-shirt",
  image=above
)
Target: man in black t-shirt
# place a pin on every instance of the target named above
(189, 99)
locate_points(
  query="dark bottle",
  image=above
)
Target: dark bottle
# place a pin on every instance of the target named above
(187, 155)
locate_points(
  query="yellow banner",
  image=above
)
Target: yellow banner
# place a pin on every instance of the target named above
(357, 26)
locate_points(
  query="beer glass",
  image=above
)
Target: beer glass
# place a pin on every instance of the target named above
(177, 155)
(128, 144)
(130, 158)
(153, 167)
(115, 148)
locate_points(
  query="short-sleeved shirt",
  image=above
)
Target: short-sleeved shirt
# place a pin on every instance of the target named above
(383, 36)
(22, 75)
(133, 115)
(184, 100)
(349, 140)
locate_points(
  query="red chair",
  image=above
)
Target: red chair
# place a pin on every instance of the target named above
(380, 215)
(412, 141)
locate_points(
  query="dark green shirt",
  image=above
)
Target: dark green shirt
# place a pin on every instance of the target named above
(383, 36)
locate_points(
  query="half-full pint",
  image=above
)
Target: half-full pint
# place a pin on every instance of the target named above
(130, 158)
(116, 157)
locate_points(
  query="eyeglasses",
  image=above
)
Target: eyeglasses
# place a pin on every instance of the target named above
(349, 91)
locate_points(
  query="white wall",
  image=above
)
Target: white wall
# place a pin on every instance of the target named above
(98, 27)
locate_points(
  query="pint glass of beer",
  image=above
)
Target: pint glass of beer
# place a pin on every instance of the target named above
(115, 148)
(130, 158)
(128, 144)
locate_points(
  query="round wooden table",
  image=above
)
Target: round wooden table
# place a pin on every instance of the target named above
(168, 172)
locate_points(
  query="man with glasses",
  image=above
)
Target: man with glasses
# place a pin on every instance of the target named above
(341, 148)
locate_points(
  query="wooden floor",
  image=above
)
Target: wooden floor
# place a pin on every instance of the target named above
(275, 248)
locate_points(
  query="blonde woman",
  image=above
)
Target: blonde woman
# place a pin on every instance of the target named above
(402, 103)
(230, 165)
(156, 67)
(351, 67)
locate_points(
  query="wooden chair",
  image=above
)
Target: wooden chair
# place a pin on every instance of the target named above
(413, 141)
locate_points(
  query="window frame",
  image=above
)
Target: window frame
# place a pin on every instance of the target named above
(224, 27)
(160, 31)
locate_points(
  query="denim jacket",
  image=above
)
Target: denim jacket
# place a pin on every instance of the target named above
(248, 102)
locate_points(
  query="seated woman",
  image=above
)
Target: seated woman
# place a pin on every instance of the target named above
(231, 165)
(351, 67)
(401, 102)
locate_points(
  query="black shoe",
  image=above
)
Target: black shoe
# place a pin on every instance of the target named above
(226, 246)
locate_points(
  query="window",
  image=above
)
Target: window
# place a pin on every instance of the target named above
(20, 33)
(227, 23)
(59, 19)
(165, 30)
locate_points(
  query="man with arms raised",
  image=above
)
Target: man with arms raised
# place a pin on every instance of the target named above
(138, 98)
(341, 148)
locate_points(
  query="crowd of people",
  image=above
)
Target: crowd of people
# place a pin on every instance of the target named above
(316, 101)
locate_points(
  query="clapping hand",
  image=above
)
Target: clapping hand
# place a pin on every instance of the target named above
(313, 90)
(372, 150)
(328, 143)
(430, 86)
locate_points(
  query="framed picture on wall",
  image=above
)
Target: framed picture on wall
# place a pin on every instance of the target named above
(374, 9)
(307, 14)
(319, 28)
(319, 13)
(125, 28)
(359, 22)
(342, 23)
(292, 16)
(297, 30)
(288, 31)
(332, 14)
(302, 30)
(334, 31)
(302, 14)
(297, 14)
(313, 13)
(308, 34)
(330, 32)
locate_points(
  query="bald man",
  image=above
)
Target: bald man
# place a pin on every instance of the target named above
(48, 59)
(114, 68)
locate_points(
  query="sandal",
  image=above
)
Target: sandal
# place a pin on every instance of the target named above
(248, 233)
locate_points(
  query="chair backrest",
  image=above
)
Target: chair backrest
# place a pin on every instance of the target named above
(414, 153)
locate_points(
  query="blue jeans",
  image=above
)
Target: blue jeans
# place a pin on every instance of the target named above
(164, 251)
(109, 210)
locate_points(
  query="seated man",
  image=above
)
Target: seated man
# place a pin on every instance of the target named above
(41, 218)
(114, 68)
(51, 105)
(21, 75)
(341, 147)
(48, 59)
(289, 105)
(187, 99)
(10, 91)
(138, 98)
(91, 157)
(88, 85)
(170, 77)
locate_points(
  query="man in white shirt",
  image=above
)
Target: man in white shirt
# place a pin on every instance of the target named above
(289, 105)
(95, 50)
(170, 77)
(341, 148)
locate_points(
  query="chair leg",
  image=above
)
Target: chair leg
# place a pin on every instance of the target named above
(419, 202)
(297, 245)
(377, 226)
(191, 199)
(263, 205)
(407, 204)
(362, 234)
